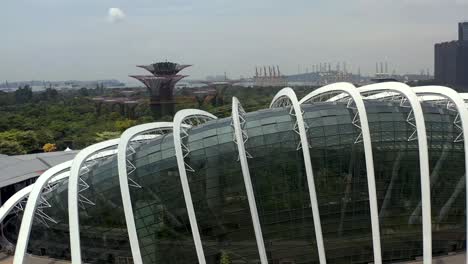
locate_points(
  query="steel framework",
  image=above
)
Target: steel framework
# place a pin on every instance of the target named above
(287, 97)
(34, 199)
(457, 100)
(124, 165)
(354, 99)
(182, 119)
(411, 98)
(359, 121)
(240, 137)
(74, 190)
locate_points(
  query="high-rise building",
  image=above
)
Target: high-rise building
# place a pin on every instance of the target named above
(451, 60)
(463, 31)
(161, 86)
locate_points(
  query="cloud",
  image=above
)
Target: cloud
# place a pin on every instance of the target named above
(115, 15)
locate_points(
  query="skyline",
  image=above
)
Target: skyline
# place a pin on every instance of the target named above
(60, 40)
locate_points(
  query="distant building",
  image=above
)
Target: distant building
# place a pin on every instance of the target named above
(463, 31)
(161, 86)
(272, 77)
(323, 78)
(451, 60)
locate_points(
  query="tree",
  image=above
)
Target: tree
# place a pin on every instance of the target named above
(49, 147)
(106, 135)
(122, 125)
(11, 148)
(225, 259)
(23, 94)
(6, 98)
(27, 140)
(83, 91)
(51, 94)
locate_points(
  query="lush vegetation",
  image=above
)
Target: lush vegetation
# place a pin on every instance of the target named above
(31, 120)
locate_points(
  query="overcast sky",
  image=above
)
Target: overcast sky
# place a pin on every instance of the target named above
(84, 39)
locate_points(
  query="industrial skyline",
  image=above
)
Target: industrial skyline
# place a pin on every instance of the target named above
(259, 75)
(231, 36)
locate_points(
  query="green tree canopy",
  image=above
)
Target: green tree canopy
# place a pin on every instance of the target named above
(27, 140)
(23, 94)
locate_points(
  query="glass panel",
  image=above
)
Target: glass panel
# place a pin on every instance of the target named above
(48, 238)
(103, 232)
(446, 155)
(220, 199)
(341, 184)
(281, 190)
(398, 182)
(159, 209)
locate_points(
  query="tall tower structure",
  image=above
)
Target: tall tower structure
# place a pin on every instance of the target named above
(161, 85)
(451, 60)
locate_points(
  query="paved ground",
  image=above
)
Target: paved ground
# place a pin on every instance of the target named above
(458, 258)
(5, 259)
(450, 259)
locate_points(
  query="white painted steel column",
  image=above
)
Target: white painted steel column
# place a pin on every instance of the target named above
(29, 211)
(247, 180)
(459, 103)
(125, 140)
(291, 96)
(413, 100)
(350, 90)
(179, 119)
(73, 189)
(13, 201)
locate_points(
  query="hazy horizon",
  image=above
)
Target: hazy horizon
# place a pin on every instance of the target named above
(87, 40)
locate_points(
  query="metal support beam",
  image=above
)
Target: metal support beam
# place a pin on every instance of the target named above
(34, 200)
(73, 193)
(16, 198)
(360, 118)
(287, 97)
(240, 136)
(125, 182)
(188, 117)
(461, 121)
(417, 112)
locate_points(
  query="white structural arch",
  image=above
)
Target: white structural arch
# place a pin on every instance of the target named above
(464, 96)
(351, 91)
(13, 201)
(188, 117)
(124, 143)
(240, 138)
(288, 94)
(73, 190)
(416, 108)
(458, 101)
(29, 211)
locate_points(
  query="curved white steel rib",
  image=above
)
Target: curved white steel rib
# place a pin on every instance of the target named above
(412, 98)
(459, 103)
(351, 91)
(73, 189)
(464, 96)
(291, 96)
(247, 180)
(31, 206)
(125, 139)
(179, 119)
(14, 200)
